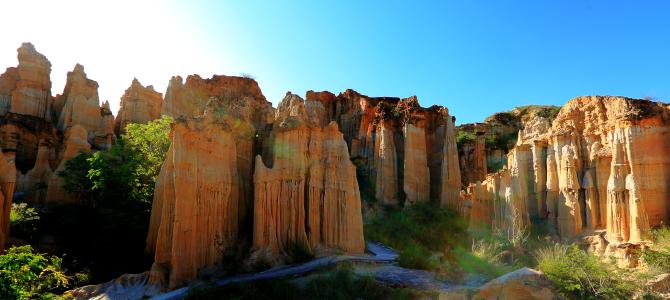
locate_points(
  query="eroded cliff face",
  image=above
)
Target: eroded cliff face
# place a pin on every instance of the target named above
(407, 152)
(79, 101)
(25, 107)
(206, 183)
(35, 127)
(310, 194)
(195, 208)
(26, 89)
(139, 104)
(603, 164)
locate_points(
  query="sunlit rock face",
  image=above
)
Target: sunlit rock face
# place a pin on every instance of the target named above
(79, 104)
(603, 164)
(189, 99)
(310, 194)
(26, 89)
(408, 152)
(195, 208)
(292, 180)
(139, 104)
(206, 183)
(103, 136)
(25, 107)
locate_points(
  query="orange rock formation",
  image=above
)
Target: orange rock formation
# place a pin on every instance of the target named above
(381, 132)
(310, 195)
(206, 182)
(139, 104)
(602, 164)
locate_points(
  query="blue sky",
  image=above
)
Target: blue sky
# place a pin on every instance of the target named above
(475, 57)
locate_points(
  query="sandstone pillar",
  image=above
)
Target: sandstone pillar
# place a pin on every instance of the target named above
(416, 176)
(7, 184)
(386, 159)
(569, 210)
(540, 172)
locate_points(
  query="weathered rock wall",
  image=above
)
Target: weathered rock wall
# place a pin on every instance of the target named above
(310, 194)
(396, 141)
(194, 215)
(26, 89)
(80, 102)
(603, 164)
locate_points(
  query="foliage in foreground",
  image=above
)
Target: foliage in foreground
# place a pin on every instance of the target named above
(25, 274)
(341, 283)
(416, 232)
(581, 275)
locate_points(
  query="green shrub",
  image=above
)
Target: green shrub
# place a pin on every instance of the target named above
(549, 112)
(580, 275)
(417, 231)
(25, 274)
(417, 256)
(23, 220)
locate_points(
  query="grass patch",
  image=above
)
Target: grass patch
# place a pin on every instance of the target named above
(658, 256)
(417, 232)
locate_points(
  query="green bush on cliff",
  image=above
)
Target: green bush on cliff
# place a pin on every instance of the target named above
(25, 274)
(465, 137)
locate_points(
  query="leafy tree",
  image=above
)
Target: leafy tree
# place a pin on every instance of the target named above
(150, 142)
(124, 175)
(25, 274)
